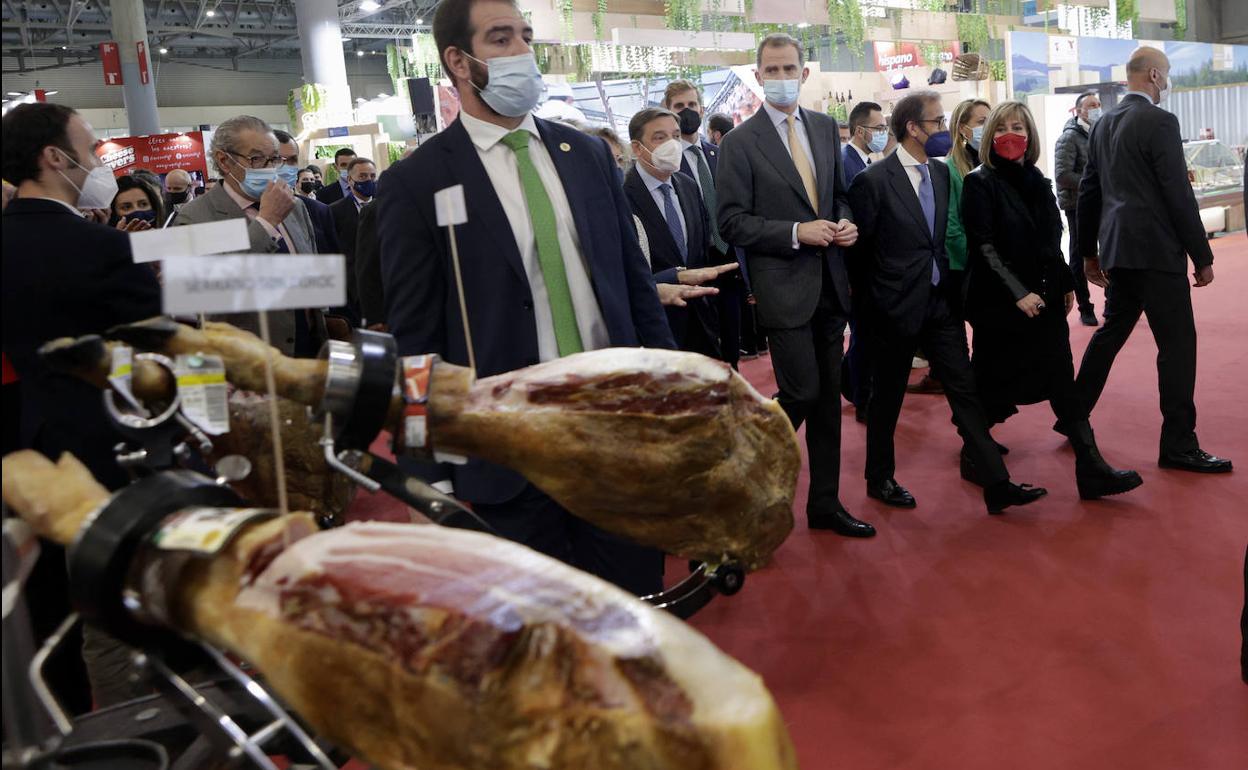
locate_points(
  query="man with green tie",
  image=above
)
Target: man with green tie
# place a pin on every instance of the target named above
(549, 258)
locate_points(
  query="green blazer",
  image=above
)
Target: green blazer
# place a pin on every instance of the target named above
(955, 236)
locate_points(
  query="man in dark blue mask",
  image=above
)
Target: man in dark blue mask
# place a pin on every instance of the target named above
(362, 183)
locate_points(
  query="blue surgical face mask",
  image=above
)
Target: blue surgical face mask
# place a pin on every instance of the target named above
(365, 189)
(977, 136)
(514, 86)
(782, 93)
(256, 181)
(879, 140)
(147, 215)
(288, 174)
(1094, 115)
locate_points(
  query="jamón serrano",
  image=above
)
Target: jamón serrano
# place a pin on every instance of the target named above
(417, 646)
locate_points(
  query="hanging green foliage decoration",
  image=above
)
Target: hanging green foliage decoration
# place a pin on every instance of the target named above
(1180, 19)
(565, 18)
(973, 30)
(846, 15)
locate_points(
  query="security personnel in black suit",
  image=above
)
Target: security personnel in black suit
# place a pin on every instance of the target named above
(1136, 199)
(362, 179)
(901, 205)
(668, 205)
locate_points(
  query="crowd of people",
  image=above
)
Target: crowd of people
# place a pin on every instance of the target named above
(728, 241)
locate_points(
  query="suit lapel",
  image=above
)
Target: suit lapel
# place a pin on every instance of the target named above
(485, 213)
(904, 191)
(711, 153)
(824, 167)
(651, 218)
(773, 150)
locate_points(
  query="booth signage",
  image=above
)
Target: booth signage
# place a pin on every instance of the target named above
(239, 283)
(110, 57)
(161, 153)
(141, 47)
(896, 56)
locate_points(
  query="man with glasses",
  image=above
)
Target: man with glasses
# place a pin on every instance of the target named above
(868, 133)
(901, 206)
(246, 152)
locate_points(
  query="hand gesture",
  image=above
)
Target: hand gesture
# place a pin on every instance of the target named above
(675, 295)
(277, 202)
(820, 232)
(1203, 275)
(1070, 301)
(1031, 305)
(1092, 269)
(132, 225)
(699, 275)
(846, 233)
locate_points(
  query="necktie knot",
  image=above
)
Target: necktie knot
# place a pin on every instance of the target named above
(517, 140)
(923, 170)
(666, 189)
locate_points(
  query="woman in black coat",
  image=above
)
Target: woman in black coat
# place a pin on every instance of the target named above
(1019, 292)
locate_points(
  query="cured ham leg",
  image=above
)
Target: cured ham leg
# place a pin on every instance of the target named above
(669, 449)
(433, 648)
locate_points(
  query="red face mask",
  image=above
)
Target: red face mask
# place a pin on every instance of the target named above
(1010, 146)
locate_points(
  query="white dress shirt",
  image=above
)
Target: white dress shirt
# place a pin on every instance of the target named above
(781, 121)
(653, 184)
(912, 169)
(246, 204)
(866, 159)
(691, 151)
(500, 164)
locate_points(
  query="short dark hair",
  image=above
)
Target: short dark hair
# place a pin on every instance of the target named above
(284, 137)
(341, 152)
(910, 110)
(452, 26)
(778, 40)
(638, 124)
(127, 182)
(859, 114)
(315, 169)
(28, 128)
(1085, 95)
(357, 162)
(719, 122)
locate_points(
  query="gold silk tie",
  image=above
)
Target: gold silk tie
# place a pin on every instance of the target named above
(803, 164)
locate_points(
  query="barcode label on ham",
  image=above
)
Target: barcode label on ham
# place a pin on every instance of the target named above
(205, 530)
(204, 394)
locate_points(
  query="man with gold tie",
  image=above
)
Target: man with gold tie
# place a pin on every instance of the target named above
(782, 198)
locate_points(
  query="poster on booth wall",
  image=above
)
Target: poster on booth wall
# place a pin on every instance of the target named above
(160, 153)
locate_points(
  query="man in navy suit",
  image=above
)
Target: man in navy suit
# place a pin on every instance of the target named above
(676, 223)
(549, 257)
(699, 160)
(323, 230)
(339, 189)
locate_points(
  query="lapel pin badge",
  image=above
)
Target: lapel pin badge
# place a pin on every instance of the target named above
(565, 147)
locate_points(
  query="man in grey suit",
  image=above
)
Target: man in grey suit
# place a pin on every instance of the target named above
(782, 198)
(1136, 199)
(246, 151)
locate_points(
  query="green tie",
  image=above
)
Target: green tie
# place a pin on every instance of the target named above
(549, 255)
(708, 195)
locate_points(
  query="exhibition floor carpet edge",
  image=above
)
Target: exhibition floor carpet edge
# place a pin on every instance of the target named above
(1066, 634)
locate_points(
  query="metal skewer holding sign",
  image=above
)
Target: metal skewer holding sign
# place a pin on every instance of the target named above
(452, 211)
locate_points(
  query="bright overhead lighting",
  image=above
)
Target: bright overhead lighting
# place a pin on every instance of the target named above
(15, 93)
(164, 50)
(210, 13)
(359, 53)
(346, 39)
(420, 21)
(370, 5)
(50, 93)
(64, 48)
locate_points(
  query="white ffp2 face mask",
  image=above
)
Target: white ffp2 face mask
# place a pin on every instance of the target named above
(666, 157)
(98, 189)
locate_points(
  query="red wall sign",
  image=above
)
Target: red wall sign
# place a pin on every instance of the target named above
(110, 57)
(161, 153)
(895, 56)
(142, 48)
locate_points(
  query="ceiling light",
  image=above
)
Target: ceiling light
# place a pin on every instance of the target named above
(164, 50)
(359, 53)
(420, 21)
(369, 5)
(64, 48)
(15, 93)
(210, 13)
(346, 39)
(50, 93)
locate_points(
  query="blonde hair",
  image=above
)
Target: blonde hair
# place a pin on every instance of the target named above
(961, 116)
(1003, 112)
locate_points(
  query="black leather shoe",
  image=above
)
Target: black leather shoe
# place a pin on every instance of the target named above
(1197, 460)
(840, 522)
(1002, 495)
(891, 493)
(1061, 427)
(1087, 317)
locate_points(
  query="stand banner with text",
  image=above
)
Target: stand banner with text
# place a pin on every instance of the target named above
(160, 153)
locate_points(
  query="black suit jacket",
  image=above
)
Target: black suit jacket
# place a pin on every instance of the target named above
(710, 151)
(65, 277)
(422, 307)
(331, 193)
(894, 253)
(368, 283)
(1135, 197)
(761, 196)
(665, 257)
(346, 223)
(323, 229)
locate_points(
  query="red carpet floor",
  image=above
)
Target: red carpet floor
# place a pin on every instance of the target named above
(1065, 635)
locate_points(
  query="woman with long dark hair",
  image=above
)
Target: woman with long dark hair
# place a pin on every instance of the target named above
(137, 199)
(1020, 292)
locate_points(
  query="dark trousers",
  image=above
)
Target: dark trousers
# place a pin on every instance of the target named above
(698, 339)
(535, 520)
(1082, 298)
(753, 341)
(807, 362)
(728, 307)
(856, 377)
(1166, 298)
(943, 339)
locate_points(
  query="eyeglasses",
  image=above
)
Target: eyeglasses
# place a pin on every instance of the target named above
(259, 161)
(880, 127)
(940, 122)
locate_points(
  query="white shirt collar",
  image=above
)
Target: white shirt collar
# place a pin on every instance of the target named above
(866, 158)
(652, 182)
(690, 145)
(1085, 125)
(242, 200)
(485, 135)
(906, 158)
(75, 211)
(778, 116)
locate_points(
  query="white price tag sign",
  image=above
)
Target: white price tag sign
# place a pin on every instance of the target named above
(450, 206)
(241, 283)
(190, 240)
(204, 394)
